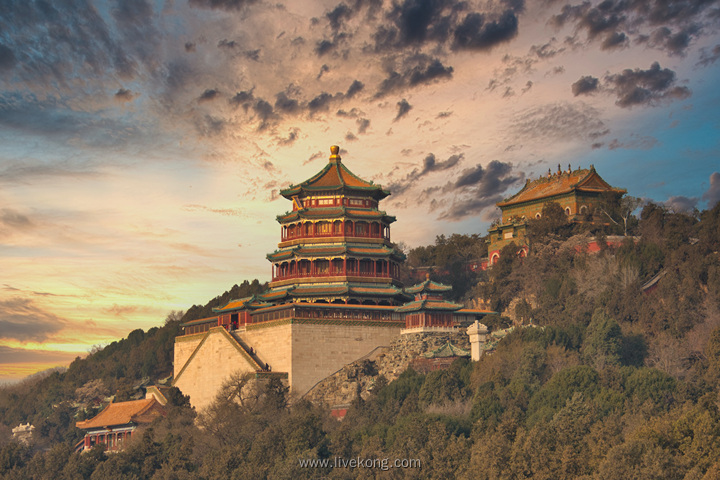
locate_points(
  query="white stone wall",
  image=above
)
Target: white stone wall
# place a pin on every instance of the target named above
(211, 365)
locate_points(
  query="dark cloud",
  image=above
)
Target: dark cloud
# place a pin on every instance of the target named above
(403, 108)
(350, 137)
(264, 111)
(353, 113)
(324, 69)
(681, 203)
(479, 188)
(547, 50)
(706, 58)
(560, 121)
(338, 15)
(430, 164)
(54, 44)
(7, 58)
(354, 88)
(283, 103)
(614, 40)
(363, 124)
(324, 46)
(227, 5)
(644, 87)
(208, 95)
(585, 85)
(419, 69)
(124, 95)
(712, 195)
(252, 54)
(21, 319)
(414, 22)
(443, 114)
(242, 99)
(321, 102)
(227, 44)
(189, 47)
(679, 21)
(475, 33)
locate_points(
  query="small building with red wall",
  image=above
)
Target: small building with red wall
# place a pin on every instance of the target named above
(116, 424)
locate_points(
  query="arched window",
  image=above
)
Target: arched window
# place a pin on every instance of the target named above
(567, 211)
(583, 210)
(538, 215)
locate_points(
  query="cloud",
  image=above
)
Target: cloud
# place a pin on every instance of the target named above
(123, 95)
(363, 124)
(635, 142)
(560, 121)
(608, 21)
(585, 85)
(354, 88)
(681, 204)
(418, 69)
(403, 109)
(708, 57)
(644, 87)
(293, 135)
(10, 355)
(208, 95)
(430, 164)
(475, 33)
(227, 212)
(614, 41)
(227, 5)
(478, 188)
(712, 195)
(21, 319)
(7, 58)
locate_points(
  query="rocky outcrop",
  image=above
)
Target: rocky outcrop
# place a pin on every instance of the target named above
(359, 377)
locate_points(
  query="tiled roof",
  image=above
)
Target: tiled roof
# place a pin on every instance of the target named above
(335, 212)
(559, 184)
(428, 286)
(447, 350)
(335, 176)
(303, 251)
(389, 290)
(136, 411)
(428, 305)
(199, 321)
(251, 302)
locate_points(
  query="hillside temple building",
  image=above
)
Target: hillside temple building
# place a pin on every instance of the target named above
(335, 295)
(578, 192)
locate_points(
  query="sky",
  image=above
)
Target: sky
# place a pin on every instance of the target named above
(143, 143)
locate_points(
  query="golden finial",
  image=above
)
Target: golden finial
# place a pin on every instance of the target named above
(334, 151)
(427, 276)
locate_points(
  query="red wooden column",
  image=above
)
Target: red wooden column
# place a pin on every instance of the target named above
(345, 266)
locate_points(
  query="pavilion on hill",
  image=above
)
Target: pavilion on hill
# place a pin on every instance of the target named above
(578, 192)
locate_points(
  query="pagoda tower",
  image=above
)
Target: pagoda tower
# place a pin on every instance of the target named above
(335, 243)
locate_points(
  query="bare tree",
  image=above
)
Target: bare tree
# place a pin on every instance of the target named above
(622, 210)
